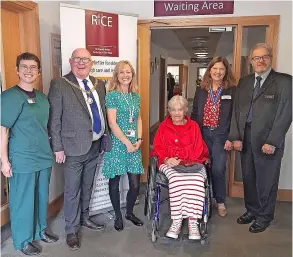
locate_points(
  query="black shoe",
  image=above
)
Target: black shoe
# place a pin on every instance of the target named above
(136, 221)
(246, 218)
(30, 250)
(257, 227)
(118, 224)
(49, 238)
(72, 241)
(91, 225)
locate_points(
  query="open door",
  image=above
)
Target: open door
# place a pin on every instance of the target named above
(143, 77)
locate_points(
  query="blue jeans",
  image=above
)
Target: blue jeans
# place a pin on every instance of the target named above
(215, 143)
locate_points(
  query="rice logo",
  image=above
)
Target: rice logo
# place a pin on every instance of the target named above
(102, 20)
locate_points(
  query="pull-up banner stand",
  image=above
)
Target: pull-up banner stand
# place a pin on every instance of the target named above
(109, 37)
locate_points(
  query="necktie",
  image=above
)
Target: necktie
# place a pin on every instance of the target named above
(255, 91)
(94, 109)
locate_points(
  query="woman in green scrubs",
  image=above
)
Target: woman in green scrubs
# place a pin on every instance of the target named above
(26, 156)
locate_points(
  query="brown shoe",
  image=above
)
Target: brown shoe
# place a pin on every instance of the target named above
(72, 241)
(222, 211)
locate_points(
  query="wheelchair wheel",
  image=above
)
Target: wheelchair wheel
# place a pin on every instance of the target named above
(149, 194)
(209, 202)
(155, 228)
(154, 236)
(203, 228)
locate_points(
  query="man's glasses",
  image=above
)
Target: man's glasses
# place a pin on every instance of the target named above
(31, 68)
(81, 59)
(258, 58)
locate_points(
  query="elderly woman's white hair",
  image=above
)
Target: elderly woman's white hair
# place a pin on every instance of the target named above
(178, 99)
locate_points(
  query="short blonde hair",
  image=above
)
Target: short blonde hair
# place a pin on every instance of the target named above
(178, 99)
(261, 45)
(114, 82)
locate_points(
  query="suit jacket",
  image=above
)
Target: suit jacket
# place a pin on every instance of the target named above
(226, 104)
(70, 123)
(271, 110)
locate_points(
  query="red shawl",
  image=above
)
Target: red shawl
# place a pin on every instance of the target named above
(182, 141)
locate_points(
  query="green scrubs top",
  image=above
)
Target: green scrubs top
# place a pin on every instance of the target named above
(27, 118)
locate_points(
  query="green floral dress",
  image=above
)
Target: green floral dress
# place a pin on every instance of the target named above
(119, 161)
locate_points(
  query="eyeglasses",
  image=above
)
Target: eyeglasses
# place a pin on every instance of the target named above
(258, 58)
(81, 59)
(31, 68)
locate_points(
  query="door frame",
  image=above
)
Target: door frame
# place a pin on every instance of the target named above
(30, 42)
(162, 94)
(235, 189)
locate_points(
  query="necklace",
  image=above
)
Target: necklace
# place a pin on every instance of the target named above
(214, 99)
(88, 92)
(131, 110)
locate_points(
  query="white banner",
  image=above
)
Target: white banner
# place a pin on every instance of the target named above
(110, 38)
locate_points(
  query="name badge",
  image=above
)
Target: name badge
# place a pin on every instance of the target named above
(269, 96)
(31, 101)
(130, 133)
(226, 97)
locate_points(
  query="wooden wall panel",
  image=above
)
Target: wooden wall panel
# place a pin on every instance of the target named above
(11, 45)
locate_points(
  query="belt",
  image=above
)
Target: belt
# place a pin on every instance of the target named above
(209, 127)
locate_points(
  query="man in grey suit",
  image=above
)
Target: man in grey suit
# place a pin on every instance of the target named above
(261, 118)
(77, 123)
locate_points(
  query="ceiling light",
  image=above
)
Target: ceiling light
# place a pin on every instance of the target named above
(203, 52)
(201, 55)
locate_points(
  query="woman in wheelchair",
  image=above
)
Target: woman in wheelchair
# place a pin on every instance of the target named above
(179, 141)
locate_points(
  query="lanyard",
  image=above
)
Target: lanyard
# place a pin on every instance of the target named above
(213, 98)
(131, 108)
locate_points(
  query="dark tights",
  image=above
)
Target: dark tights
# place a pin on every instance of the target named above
(134, 181)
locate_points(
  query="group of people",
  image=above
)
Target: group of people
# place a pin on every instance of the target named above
(79, 120)
(252, 118)
(72, 126)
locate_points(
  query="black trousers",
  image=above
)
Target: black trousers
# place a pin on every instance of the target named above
(79, 173)
(134, 182)
(218, 156)
(260, 174)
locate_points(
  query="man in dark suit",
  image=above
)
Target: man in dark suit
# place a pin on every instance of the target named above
(77, 123)
(261, 117)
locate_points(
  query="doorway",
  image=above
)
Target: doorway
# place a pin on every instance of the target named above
(20, 33)
(243, 27)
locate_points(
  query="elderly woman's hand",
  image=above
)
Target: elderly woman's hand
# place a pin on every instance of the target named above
(172, 162)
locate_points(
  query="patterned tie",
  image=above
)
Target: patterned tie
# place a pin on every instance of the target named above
(95, 110)
(255, 91)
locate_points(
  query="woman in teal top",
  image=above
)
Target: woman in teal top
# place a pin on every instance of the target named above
(123, 113)
(26, 156)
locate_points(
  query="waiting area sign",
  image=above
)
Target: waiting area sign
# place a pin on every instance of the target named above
(186, 8)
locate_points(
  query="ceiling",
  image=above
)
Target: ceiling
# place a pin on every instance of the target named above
(186, 42)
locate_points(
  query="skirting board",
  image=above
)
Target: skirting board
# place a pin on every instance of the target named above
(55, 206)
(284, 195)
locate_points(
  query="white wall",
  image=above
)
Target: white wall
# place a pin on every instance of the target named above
(192, 77)
(145, 10)
(50, 23)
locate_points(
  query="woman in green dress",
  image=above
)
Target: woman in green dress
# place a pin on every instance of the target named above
(26, 156)
(123, 113)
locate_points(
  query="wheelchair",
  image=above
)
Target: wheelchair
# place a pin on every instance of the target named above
(158, 181)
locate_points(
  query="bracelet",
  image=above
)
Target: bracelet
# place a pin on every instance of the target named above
(139, 139)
